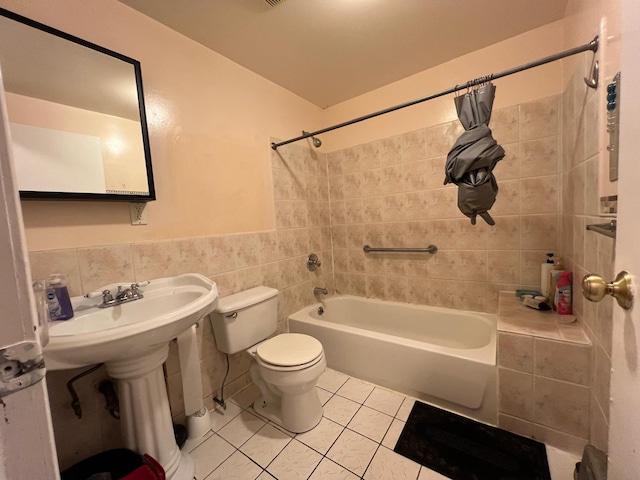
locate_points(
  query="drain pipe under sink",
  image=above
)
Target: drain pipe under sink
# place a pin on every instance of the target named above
(198, 418)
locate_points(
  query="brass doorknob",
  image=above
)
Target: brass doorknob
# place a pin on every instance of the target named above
(594, 288)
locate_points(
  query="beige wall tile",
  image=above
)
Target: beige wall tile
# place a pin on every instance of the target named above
(504, 235)
(65, 262)
(338, 213)
(507, 200)
(100, 266)
(558, 439)
(227, 283)
(540, 157)
(391, 150)
(530, 261)
(601, 379)
(440, 138)
(505, 125)
(562, 406)
(509, 167)
(515, 425)
(268, 248)
(539, 232)
(515, 393)
(539, 118)
(515, 352)
(390, 180)
(563, 361)
(503, 266)
(249, 278)
(334, 162)
(192, 255)
(413, 146)
(395, 288)
(539, 195)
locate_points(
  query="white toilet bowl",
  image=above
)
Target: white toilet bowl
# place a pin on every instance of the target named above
(286, 368)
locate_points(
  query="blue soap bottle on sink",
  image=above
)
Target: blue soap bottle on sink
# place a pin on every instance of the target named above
(58, 299)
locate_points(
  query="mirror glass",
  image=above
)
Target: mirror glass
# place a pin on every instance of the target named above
(76, 114)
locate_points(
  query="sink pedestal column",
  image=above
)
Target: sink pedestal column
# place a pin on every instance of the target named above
(145, 417)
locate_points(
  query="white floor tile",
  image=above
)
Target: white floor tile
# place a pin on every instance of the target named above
(428, 474)
(405, 409)
(322, 436)
(328, 470)
(331, 380)
(191, 444)
(353, 451)
(370, 423)
(296, 461)
(265, 476)
(237, 466)
(356, 390)
(392, 435)
(265, 445)
(340, 410)
(388, 465)
(385, 401)
(210, 454)
(241, 428)
(220, 417)
(323, 395)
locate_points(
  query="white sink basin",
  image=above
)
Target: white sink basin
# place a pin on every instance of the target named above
(99, 335)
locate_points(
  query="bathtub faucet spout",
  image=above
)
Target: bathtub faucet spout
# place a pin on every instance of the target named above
(320, 290)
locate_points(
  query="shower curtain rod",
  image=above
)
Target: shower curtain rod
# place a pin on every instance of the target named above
(592, 46)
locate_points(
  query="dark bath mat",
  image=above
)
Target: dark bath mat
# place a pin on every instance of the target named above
(463, 449)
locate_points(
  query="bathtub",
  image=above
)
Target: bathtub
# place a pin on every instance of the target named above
(442, 356)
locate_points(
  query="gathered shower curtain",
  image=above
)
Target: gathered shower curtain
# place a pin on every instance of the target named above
(472, 158)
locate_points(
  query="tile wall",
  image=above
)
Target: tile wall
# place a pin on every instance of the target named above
(235, 262)
(544, 376)
(583, 117)
(390, 193)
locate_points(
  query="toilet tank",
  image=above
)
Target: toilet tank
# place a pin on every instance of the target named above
(245, 318)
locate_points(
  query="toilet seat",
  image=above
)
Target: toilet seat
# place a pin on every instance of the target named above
(289, 351)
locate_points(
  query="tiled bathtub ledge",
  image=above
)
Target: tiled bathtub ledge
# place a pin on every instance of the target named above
(514, 317)
(544, 376)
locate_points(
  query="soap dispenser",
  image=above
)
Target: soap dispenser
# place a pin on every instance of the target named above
(58, 299)
(545, 272)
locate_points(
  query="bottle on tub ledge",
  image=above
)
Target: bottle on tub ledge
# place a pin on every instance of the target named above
(545, 273)
(58, 299)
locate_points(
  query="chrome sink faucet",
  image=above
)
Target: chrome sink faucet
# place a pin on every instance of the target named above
(125, 294)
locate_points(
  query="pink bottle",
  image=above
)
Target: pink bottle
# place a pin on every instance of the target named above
(563, 293)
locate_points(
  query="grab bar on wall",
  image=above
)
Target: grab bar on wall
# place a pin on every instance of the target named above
(429, 249)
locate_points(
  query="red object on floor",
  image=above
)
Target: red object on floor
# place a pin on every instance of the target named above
(151, 470)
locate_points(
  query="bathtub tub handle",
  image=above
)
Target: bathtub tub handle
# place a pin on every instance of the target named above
(232, 315)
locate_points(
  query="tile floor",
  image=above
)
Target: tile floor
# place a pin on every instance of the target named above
(354, 439)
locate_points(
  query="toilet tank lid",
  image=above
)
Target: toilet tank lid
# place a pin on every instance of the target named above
(245, 299)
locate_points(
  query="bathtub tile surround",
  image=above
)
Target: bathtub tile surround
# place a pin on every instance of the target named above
(583, 123)
(544, 376)
(389, 192)
(347, 450)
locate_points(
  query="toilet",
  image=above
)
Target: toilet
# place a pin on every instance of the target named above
(285, 367)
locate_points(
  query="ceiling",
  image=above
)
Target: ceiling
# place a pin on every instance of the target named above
(328, 51)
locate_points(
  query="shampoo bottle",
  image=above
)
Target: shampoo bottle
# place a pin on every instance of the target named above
(545, 272)
(58, 299)
(553, 278)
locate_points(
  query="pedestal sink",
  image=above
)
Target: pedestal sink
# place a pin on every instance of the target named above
(132, 340)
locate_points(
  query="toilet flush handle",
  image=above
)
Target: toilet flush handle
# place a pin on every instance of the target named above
(232, 315)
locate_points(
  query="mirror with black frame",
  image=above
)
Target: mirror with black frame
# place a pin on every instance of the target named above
(76, 114)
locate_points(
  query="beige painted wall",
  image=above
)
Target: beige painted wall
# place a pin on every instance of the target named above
(520, 88)
(209, 119)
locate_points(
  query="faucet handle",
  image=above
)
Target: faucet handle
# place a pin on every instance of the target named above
(135, 287)
(97, 293)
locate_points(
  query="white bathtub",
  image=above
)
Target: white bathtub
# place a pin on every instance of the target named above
(443, 356)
